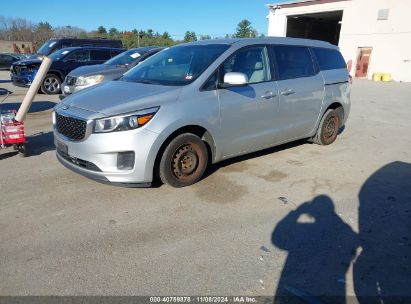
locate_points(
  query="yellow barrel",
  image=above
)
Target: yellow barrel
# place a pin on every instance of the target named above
(386, 77)
(377, 76)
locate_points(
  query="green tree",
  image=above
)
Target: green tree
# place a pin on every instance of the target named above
(205, 37)
(245, 30)
(101, 30)
(190, 36)
(113, 32)
(166, 35)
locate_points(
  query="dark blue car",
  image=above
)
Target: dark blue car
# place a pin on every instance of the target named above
(64, 61)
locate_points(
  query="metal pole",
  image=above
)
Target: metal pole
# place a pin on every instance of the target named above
(34, 88)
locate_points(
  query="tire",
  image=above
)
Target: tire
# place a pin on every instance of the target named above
(51, 84)
(183, 161)
(328, 129)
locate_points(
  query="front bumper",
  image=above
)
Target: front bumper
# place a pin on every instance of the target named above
(22, 80)
(96, 156)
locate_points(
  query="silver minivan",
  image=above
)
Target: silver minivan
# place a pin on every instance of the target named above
(199, 103)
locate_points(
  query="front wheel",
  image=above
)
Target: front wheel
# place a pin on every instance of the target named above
(328, 129)
(184, 161)
(51, 84)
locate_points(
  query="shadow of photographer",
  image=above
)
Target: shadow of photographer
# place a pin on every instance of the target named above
(321, 246)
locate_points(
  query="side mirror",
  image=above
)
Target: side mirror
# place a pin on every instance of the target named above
(234, 79)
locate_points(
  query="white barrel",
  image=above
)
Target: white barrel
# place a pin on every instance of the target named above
(34, 88)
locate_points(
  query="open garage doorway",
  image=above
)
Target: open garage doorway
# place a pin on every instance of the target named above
(324, 26)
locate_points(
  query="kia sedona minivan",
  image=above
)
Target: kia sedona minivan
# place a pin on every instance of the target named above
(196, 104)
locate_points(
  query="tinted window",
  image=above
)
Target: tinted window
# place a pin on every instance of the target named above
(100, 55)
(329, 59)
(79, 56)
(253, 62)
(293, 62)
(178, 65)
(47, 47)
(6, 58)
(211, 83)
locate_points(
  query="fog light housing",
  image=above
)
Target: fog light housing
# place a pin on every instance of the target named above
(125, 160)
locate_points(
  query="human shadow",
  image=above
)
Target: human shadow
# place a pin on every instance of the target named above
(320, 249)
(382, 272)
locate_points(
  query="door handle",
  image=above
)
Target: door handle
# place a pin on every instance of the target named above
(287, 92)
(268, 95)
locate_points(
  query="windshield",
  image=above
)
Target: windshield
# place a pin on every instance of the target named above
(179, 65)
(59, 54)
(46, 47)
(125, 58)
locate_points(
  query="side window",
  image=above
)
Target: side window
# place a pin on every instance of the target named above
(211, 83)
(79, 56)
(100, 55)
(329, 59)
(115, 52)
(65, 45)
(293, 62)
(252, 61)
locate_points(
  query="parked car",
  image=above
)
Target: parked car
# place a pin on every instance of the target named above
(55, 44)
(7, 59)
(87, 76)
(64, 61)
(199, 103)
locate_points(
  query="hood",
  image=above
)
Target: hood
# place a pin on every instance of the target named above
(28, 62)
(97, 69)
(118, 97)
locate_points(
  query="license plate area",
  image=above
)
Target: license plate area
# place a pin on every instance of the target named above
(61, 147)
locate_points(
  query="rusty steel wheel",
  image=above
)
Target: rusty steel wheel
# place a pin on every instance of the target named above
(328, 129)
(184, 161)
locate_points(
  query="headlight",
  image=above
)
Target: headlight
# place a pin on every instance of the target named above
(89, 80)
(124, 122)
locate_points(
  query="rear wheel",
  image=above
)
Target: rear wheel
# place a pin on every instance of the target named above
(184, 161)
(51, 84)
(328, 129)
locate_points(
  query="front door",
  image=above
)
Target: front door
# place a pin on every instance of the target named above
(76, 59)
(248, 113)
(363, 61)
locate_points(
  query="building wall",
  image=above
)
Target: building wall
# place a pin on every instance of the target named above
(390, 39)
(8, 46)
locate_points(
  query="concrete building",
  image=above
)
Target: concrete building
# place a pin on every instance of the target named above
(374, 36)
(15, 46)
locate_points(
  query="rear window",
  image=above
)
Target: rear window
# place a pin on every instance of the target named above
(329, 59)
(293, 62)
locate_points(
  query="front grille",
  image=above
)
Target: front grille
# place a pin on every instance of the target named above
(70, 80)
(70, 127)
(18, 69)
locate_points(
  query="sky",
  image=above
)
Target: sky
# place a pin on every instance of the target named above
(211, 17)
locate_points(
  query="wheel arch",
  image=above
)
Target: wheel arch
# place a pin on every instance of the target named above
(198, 130)
(339, 108)
(56, 73)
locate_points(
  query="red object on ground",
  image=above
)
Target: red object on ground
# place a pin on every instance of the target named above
(11, 131)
